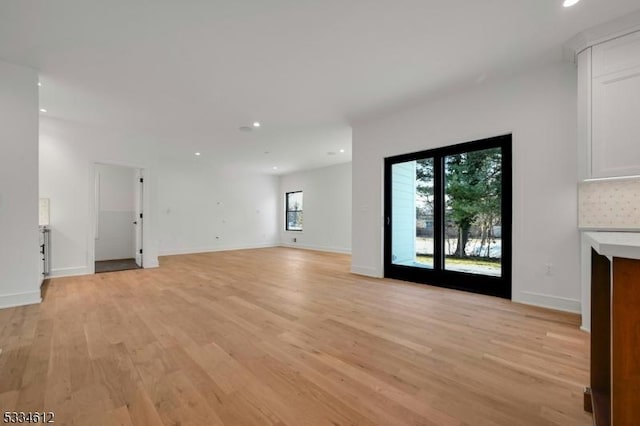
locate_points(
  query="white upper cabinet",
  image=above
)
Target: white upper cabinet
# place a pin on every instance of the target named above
(618, 55)
(614, 102)
(584, 113)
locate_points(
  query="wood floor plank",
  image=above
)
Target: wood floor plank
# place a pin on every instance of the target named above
(32, 391)
(286, 337)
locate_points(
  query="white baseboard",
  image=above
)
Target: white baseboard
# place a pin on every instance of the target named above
(151, 263)
(175, 252)
(69, 272)
(316, 248)
(367, 271)
(20, 299)
(548, 301)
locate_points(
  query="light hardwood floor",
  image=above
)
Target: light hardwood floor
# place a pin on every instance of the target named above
(284, 336)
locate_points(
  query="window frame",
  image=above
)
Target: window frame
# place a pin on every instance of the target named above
(439, 275)
(287, 211)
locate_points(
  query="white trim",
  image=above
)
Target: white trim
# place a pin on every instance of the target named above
(151, 263)
(177, 252)
(20, 299)
(75, 271)
(586, 229)
(316, 248)
(613, 178)
(602, 33)
(584, 328)
(144, 172)
(583, 62)
(366, 271)
(70, 272)
(548, 301)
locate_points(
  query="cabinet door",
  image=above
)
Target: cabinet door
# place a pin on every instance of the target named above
(616, 107)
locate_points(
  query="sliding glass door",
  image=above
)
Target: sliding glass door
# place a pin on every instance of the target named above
(448, 216)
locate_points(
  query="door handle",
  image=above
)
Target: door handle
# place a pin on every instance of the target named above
(388, 221)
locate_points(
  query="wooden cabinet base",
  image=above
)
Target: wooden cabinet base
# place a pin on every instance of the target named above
(587, 402)
(599, 405)
(615, 341)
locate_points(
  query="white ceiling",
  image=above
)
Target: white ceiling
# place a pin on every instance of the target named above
(189, 73)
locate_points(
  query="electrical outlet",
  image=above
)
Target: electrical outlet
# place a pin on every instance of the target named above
(295, 240)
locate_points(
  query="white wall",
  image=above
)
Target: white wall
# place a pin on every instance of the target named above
(539, 108)
(115, 238)
(326, 208)
(19, 255)
(180, 197)
(68, 155)
(200, 209)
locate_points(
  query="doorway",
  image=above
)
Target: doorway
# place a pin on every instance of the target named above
(118, 216)
(448, 216)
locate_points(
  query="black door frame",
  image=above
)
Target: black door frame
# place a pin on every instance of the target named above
(438, 276)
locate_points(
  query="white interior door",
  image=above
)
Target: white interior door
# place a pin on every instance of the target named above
(139, 216)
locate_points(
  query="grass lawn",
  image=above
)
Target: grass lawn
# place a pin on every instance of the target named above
(494, 264)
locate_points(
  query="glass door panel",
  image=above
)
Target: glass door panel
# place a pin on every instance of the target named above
(412, 184)
(473, 212)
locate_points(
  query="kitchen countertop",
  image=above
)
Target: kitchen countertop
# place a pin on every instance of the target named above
(615, 244)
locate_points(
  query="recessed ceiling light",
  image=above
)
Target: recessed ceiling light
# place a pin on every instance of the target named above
(275, 167)
(39, 84)
(569, 3)
(197, 154)
(256, 124)
(43, 110)
(342, 150)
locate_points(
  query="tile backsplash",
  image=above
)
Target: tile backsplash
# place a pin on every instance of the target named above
(609, 204)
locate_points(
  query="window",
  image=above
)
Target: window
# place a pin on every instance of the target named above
(293, 217)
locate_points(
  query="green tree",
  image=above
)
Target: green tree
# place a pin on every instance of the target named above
(473, 190)
(424, 182)
(473, 185)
